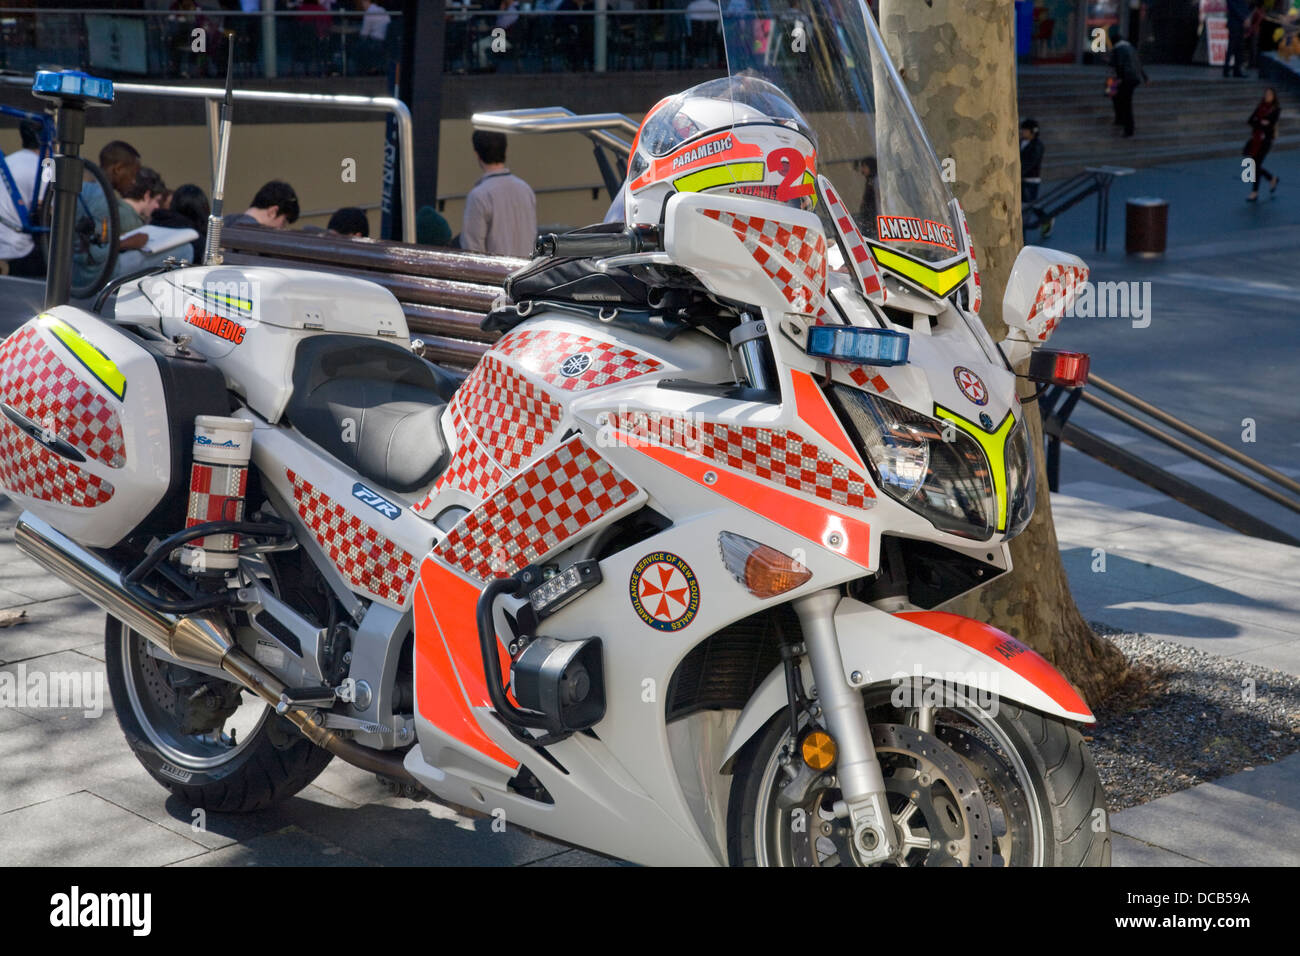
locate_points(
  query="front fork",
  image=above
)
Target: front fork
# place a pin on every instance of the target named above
(860, 778)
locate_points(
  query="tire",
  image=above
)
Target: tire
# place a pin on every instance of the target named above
(267, 767)
(1067, 824)
(96, 239)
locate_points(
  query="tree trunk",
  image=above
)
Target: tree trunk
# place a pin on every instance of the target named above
(957, 61)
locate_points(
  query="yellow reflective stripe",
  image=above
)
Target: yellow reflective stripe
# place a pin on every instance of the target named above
(96, 362)
(244, 304)
(809, 181)
(994, 446)
(940, 282)
(727, 174)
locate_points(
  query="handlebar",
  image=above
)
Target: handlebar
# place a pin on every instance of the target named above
(597, 245)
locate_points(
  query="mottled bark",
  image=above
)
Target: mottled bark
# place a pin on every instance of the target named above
(957, 60)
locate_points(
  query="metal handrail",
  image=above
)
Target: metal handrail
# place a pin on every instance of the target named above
(1191, 452)
(212, 95)
(1224, 449)
(1059, 403)
(558, 119)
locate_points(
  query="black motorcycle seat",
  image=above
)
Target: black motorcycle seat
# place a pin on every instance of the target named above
(375, 406)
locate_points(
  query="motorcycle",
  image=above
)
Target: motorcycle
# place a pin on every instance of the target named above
(663, 575)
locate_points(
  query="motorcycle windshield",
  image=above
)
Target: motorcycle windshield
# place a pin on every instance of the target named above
(826, 58)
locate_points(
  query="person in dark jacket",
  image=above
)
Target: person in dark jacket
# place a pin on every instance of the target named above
(1238, 14)
(187, 209)
(1031, 174)
(1130, 75)
(1263, 123)
(1031, 160)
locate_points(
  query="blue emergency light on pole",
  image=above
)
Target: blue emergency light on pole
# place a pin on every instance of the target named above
(72, 91)
(212, 249)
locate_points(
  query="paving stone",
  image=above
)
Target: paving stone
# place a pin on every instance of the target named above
(41, 759)
(80, 829)
(57, 625)
(1125, 851)
(576, 858)
(1218, 824)
(64, 678)
(144, 796)
(397, 832)
(290, 846)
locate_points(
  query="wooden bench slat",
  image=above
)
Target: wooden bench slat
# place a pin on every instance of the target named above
(374, 254)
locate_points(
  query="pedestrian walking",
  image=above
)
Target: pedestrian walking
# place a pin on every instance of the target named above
(501, 209)
(1128, 76)
(1263, 125)
(1238, 14)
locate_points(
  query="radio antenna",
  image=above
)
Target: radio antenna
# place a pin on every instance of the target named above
(212, 249)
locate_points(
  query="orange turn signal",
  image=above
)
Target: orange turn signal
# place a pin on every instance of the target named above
(763, 570)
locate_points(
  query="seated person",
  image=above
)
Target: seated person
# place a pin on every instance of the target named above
(120, 162)
(349, 222)
(140, 200)
(188, 209)
(275, 206)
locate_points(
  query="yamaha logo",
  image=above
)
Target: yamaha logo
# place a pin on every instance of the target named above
(575, 365)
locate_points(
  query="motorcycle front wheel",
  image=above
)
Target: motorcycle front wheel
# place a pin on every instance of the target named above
(970, 781)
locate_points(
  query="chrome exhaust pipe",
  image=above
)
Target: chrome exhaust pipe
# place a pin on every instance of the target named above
(199, 640)
(99, 582)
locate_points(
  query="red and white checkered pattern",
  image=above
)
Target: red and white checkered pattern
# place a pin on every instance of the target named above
(536, 512)
(860, 259)
(977, 293)
(508, 414)
(29, 468)
(542, 353)
(56, 395)
(216, 494)
(470, 469)
(364, 556)
(793, 257)
(1058, 288)
(779, 456)
(874, 382)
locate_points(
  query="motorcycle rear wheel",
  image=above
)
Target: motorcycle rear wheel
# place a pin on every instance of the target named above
(1038, 795)
(249, 761)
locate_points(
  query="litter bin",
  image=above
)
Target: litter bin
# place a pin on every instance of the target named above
(1146, 224)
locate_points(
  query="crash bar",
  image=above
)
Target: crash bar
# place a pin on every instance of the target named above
(212, 96)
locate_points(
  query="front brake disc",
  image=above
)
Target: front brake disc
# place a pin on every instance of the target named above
(940, 815)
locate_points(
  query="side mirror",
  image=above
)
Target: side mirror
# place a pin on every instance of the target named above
(1043, 284)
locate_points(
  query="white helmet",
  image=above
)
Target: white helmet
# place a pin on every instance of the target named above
(739, 135)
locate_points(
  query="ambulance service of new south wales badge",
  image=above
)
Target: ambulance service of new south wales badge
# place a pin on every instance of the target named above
(664, 591)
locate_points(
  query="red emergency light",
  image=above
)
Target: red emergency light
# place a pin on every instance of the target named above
(1057, 367)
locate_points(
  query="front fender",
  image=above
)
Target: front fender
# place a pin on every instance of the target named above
(881, 647)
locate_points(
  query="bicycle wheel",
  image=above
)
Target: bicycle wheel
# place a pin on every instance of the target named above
(96, 233)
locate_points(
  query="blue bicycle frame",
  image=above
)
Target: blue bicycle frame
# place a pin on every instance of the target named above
(23, 206)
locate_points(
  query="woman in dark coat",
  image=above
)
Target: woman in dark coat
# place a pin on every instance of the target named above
(188, 209)
(1264, 123)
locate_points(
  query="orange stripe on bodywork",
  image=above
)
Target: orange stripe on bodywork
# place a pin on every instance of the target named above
(1004, 649)
(448, 663)
(816, 412)
(805, 519)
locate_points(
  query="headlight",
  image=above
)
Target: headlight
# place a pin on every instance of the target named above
(1022, 481)
(946, 481)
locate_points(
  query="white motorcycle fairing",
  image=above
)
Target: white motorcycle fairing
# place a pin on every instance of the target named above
(879, 647)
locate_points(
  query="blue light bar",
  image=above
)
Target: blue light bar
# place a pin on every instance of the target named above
(73, 84)
(843, 343)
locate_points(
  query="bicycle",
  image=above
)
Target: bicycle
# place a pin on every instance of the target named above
(96, 237)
